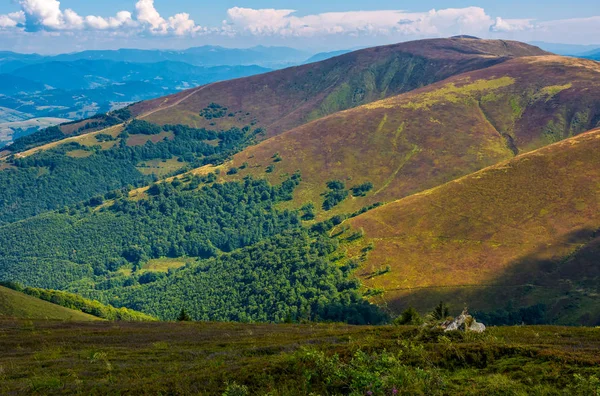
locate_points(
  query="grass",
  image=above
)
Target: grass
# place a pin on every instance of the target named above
(88, 139)
(500, 231)
(140, 140)
(20, 305)
(424, 138)
(164, 264)
(214, 358)
(79, 153)
(160, 167)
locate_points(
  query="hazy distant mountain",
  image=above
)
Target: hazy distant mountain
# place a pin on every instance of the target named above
(321, 56)
(595, 54)
(567, 49)
(57, 87)
(271, 57)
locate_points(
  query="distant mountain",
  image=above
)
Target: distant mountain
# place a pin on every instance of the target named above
(271, 57)
(566, 49)
(326, 55)
(13, 84)
(88, 74)
(81, 88)
(594, 55)
(81, 84)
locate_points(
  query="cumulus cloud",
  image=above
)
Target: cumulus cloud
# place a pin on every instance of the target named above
(511, 25)
(179, 24)
(268, 22)
(12, 20)
(47, 16)
(144, 20)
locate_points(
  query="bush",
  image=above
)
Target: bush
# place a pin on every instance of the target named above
(410, 317)
(362, 189)
(140, 127)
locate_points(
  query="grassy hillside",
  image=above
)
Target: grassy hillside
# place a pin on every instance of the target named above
(424, 138)
(248, 359)
(14, 304)
(284, 99)
(520, 232)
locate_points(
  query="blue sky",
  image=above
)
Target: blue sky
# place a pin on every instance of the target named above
(69, 25)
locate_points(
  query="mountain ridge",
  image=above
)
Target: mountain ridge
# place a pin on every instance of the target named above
(491, 228)
(272, 100)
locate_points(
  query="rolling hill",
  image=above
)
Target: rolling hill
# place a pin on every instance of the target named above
(14, 304)
(494, 105)
(424, 138)
(518, 233)
(287, 98)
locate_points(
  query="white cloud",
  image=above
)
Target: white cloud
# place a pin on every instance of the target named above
(268, 22)
(147, 14)
(12, 20)
(179, 24)
(511, 25)
(47, 16)
(272, 25)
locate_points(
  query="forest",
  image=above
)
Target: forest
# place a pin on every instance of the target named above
(252, 261)
(52, 179)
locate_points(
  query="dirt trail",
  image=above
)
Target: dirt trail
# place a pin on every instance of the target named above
(161, 107)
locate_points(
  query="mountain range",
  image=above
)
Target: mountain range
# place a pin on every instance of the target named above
(79, 85)
(345, 189)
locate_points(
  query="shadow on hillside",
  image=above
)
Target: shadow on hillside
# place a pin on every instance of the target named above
(564, 276)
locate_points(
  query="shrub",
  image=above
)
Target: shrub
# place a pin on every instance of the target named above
(410, 317)
(362, 189)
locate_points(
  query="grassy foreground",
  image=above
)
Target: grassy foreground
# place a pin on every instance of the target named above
(51, 357)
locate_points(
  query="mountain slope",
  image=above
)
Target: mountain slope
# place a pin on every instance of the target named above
(284, 99)
(14, 304)
(524, 231)
(424, 138)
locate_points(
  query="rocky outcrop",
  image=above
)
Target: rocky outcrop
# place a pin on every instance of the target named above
(463, 322)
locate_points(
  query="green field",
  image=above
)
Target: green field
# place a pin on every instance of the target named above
(163, 264)
(14, 304)
(245, 359)
(160, 167)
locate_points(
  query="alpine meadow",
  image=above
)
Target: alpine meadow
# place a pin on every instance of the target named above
(414, 218)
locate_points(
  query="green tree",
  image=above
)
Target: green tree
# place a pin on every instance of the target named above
(183, 316)
(441, 311)
(409, 317)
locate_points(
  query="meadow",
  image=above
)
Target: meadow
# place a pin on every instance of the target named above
(55, 357)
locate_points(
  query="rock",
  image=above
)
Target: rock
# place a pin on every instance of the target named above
(463, 322)
(477, 327)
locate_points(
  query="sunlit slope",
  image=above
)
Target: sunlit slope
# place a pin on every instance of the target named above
(287, 98)
(421, 139)
(14, 304)
(524, 230)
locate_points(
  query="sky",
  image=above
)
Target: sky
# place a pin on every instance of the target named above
(52, 26)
